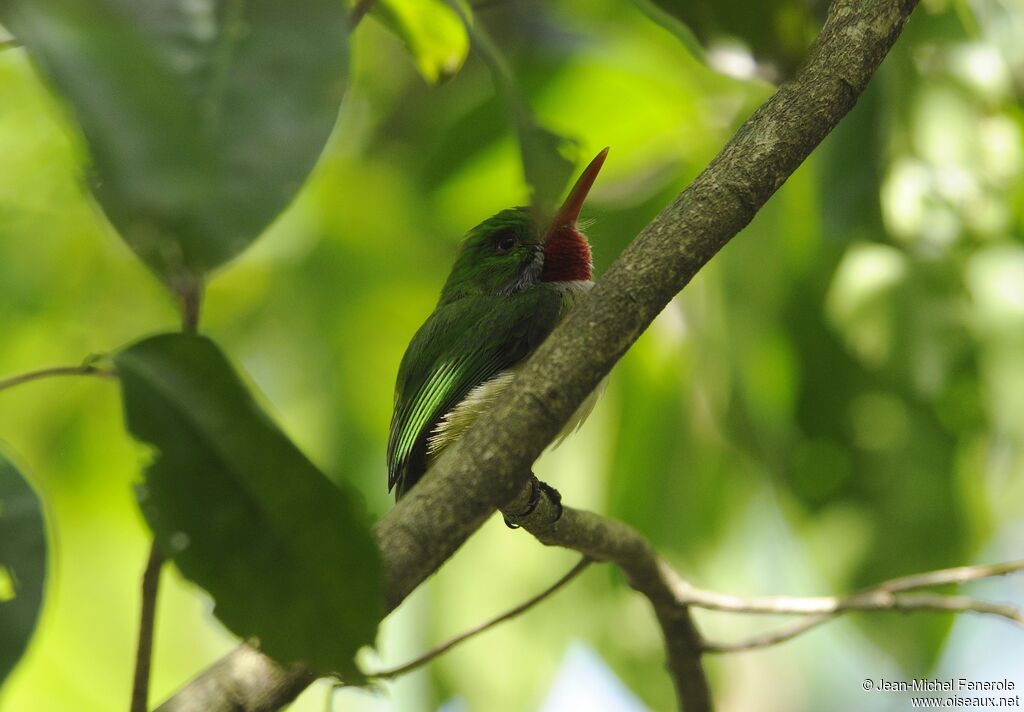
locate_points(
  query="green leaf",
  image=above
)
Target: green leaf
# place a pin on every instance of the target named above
(777, 33)
(287, 555)
(431, 31)
(548, 157)
(670, 22)
(203, 117)
(22, 564)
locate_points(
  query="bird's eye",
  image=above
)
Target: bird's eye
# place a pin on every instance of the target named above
(504, 244)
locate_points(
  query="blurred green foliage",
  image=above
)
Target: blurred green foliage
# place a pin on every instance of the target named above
(202, 120)
(837, 398)
(22, 564)
(772, 33)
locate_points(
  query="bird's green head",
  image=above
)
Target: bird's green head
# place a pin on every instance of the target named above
(510, 251)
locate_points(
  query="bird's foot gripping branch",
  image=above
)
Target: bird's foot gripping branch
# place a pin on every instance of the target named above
(527, 502)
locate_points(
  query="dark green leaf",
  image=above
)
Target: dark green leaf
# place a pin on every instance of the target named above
(202, 118)
(22, 564)
(777, 32)
(287, 555)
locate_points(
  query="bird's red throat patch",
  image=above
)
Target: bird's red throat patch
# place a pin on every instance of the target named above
(567, 256)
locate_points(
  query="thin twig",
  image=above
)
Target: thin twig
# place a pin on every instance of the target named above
(886, 595)
(391, 673)
(85, 369)
(191, 295)
(359, 11)
(903, 603)
(774, 637)
(147, 619)
(958, 574)
(891, 595)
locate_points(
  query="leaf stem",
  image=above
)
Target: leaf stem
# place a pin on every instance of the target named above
(85, 369)
(359, 11)
(144, 652)
(191, 302)
(191, 294)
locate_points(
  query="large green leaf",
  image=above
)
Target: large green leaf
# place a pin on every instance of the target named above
(202, 117)
(287, 555)
(22, 564)
(431, 30)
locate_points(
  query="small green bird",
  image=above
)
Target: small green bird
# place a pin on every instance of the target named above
(513, 281)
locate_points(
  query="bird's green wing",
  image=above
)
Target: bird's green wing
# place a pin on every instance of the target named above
(461, 345)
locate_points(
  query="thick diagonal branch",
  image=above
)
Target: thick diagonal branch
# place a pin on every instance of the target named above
(491, 463)
(489, 466)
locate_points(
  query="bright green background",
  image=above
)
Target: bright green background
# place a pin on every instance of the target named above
(837, 399)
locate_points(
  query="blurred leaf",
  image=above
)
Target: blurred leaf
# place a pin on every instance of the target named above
(203, 118)
(665, 465)
(856, 397)
(548, 157)
(245, 514)
(851, 168)
(777, 32)
(434, 34)
(670, 22)
(22, 565)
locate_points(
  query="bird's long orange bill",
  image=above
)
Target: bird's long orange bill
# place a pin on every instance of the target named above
(570, 210)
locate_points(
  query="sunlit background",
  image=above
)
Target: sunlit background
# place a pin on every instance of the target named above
(838, 398)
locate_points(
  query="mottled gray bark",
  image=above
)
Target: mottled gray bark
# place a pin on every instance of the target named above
(244, 680)
(491, 464)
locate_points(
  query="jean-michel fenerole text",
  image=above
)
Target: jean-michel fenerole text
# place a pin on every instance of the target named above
(958, 684)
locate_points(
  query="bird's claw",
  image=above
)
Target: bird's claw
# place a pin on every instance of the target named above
(556, 499)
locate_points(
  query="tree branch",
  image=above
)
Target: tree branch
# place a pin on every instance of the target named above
(604, 539)
(488, 467)
(823, 610)
(244, 680)
(889, 595)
